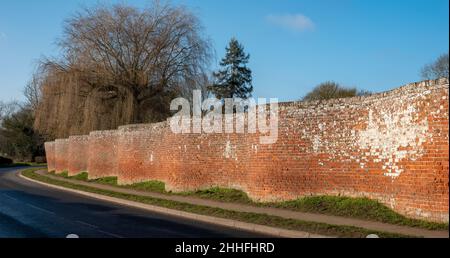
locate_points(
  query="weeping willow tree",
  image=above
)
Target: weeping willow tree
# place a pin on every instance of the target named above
(121, 65)
(61, 109)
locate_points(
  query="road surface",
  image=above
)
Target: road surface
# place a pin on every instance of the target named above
(32, 210)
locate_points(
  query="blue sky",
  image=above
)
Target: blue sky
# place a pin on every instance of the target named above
(375, 45)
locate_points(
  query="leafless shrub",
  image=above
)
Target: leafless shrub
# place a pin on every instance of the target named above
(333, 90)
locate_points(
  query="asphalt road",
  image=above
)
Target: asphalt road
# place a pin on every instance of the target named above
(32, 210)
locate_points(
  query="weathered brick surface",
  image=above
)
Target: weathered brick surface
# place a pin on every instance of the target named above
(102, 154)
(50, 153)
(391, 147)
(143, 153)
(77, 159)
(61, 155)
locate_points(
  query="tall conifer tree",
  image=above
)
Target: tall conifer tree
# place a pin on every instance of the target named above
(234, 80)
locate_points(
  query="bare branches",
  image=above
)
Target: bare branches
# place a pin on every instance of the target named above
(333, 90)
(122, 65)
(33, 92)
(6, 109)
(140, 49)
(437, 69)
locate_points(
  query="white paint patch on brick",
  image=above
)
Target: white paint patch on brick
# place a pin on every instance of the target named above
(322, 127)
(230, 151)
(393, 136)
(255, 148)
(316, 143)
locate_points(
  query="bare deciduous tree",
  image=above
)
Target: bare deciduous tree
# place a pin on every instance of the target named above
(8, 108)
(138, 55)
(62, 105)
(33, 90)
(437, 69)
(125, 64)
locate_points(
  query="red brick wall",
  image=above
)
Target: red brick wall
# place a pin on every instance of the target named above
(61, 155)
(102, 154)
(143, 153)
(50, 153)
(78, 161)
(391, 147)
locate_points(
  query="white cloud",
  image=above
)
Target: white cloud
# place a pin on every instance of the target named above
(295, 22)
(2, 35)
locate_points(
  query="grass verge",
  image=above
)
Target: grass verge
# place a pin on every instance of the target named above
(262, 219)
(360, 208)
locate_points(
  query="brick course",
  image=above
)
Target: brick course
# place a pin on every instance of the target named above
(391, 147)
(77, 159)
(61, 155)
(102, 154)
(50, 153)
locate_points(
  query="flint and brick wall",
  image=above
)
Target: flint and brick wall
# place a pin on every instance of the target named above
(392, 147)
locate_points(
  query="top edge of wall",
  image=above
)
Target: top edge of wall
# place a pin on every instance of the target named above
(105, 132)
(62, 140)
(408, 88)
(143, 126)
(79, 137)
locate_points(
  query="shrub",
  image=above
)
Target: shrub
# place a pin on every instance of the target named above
(5, 161)
(40, 159)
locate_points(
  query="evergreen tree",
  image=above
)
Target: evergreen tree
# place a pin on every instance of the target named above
(235, 79)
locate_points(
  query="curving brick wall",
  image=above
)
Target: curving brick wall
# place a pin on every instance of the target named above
(142, 153)
(61, 155)
(77, 160)
(50, 153)
(391, 147)
(102, 154)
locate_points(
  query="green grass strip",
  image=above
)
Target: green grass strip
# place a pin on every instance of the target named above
(256, 218)
(358, 208)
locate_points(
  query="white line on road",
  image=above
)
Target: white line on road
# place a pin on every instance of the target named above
(40, 209)
(110, 234)
(86, 224)
(29, 205)
(99, 230)
(12, 198)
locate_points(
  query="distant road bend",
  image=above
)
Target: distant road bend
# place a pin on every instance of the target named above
(35, 211)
